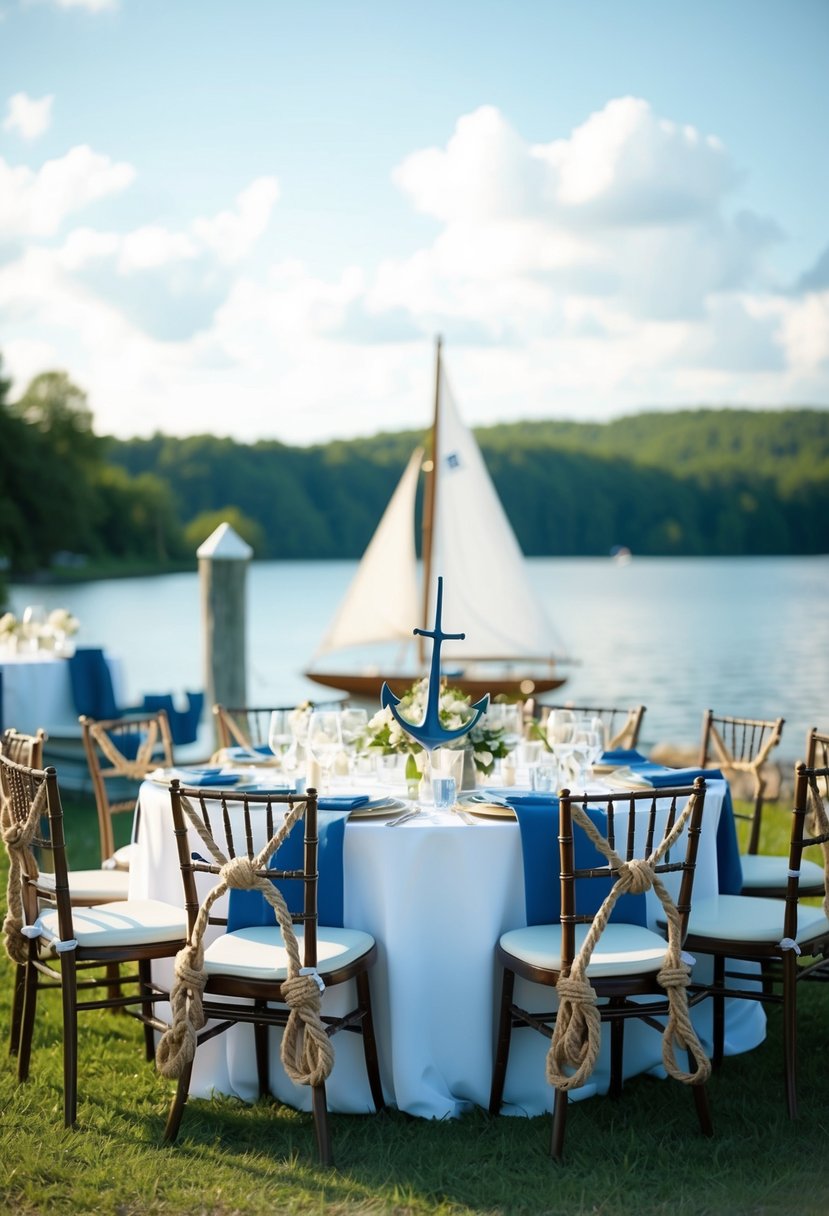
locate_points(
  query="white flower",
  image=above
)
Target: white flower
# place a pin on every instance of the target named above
(61, 620)
(8, 624)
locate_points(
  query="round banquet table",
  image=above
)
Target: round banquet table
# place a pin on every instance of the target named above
(436, 894)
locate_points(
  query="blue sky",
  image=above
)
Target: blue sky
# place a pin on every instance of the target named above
(252, 217)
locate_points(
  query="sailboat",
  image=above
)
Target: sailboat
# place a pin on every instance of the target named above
(509, 645)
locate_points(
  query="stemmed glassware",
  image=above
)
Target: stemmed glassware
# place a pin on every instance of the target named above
(298, 719)
(508, 718)
(325, 740)
(279, 732)
(588, 745)
(353, 724)
(560, 727)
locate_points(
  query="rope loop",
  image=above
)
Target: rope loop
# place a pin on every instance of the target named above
(18, 836)
(577, 1032)
(306, 1052)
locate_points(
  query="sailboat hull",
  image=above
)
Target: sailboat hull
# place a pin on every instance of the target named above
(367, 687)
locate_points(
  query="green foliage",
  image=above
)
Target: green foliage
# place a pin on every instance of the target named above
(198, 530)
(695, 482)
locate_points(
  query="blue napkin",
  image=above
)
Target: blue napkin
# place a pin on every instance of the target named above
(246, 908)
(206, 776)
(729, 866)
(622, 755)
(342, 802)
(241, 754)
(538, 822)
(518, 796)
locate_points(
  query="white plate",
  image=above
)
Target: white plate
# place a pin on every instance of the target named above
(380, 808)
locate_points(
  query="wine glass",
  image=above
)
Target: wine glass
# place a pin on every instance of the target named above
(33, 622)
(560, 727)
(325, 739)
(279, 732)
(586, 749)
(298, 720)
(353, 724)
(508, 717)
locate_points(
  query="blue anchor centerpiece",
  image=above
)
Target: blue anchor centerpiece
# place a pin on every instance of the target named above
(429, 733)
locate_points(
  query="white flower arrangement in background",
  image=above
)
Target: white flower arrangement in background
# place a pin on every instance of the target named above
(34, 632)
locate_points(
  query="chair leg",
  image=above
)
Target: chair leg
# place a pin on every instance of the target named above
(177, 1106)
(617, 1056)
(113, 974)
(17, 1008)
(701, 1102)
(145, 984)
(69, 994)
(499, 1069)
(261, 1035)
(790, 1030)
(370, 1042)
(718, 1013)
(27, 1022)
(320, 1108)
(559, 1124)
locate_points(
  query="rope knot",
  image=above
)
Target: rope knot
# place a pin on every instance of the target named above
(674, 977)
(636, 876)
(238, 873)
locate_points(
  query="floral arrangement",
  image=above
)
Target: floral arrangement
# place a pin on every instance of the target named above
(385, 734)
(45, 634)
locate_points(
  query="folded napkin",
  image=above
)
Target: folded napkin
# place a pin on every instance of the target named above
(239, 755)
(729, 866)
(622, 755)
(246, 908)
(204, 776)
(518, 796)
(342, 802)
(538, 822)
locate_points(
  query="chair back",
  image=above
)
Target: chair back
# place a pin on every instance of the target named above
(247, 725)
(35, 842)
(91, 681)
(741, 745)
(622, 725)
(23, 749)
(638, 837)
(228, 825)
(810, 828)
(120, 752)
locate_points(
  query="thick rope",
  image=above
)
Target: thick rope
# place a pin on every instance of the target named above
(135, 769)
(307, 1054)
(818, 825)
(17, 837)
(577, 1034)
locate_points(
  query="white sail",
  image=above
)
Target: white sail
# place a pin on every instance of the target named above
(382, 603)
(486, 591)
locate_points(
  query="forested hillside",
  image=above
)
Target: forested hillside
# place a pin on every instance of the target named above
(705, 481)
(695, 482)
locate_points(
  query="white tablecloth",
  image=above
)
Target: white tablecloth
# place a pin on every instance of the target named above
(37, 692)
(436, 894)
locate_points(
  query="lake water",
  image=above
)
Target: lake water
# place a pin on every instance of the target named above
(746, 636)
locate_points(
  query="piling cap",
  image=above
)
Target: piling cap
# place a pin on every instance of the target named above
(224, 545)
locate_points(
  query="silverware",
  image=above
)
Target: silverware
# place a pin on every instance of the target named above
(392, 823)
(461, 813)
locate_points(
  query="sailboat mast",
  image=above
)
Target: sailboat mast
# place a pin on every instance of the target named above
(429, 496)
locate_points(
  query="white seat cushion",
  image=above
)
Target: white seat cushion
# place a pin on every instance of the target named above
(92, 886)
(621, 949)
(751, 918)
(129, 922)
(762, 871)
(258, 952)
(122, 857)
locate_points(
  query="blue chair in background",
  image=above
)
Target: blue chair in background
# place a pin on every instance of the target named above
(94, 696)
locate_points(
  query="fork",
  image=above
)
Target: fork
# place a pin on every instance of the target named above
(393, 823)
(463, 816)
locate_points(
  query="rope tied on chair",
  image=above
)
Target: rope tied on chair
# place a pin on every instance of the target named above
(818, 825)
(18, 835)
(307, 1054)
(577, 1033)
(135, 769)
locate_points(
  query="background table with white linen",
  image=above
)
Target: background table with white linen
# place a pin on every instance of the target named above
(436, 894)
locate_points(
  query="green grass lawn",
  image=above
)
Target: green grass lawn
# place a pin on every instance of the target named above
(640, 1155)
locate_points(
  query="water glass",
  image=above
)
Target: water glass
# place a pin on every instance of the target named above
(544, 776)
(446, 771)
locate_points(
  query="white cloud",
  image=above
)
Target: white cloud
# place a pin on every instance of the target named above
(91, 6)
(29, 116)
(586, 276)
(232, 234)
(35, 203)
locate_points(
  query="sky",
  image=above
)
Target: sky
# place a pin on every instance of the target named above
(252, 217)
